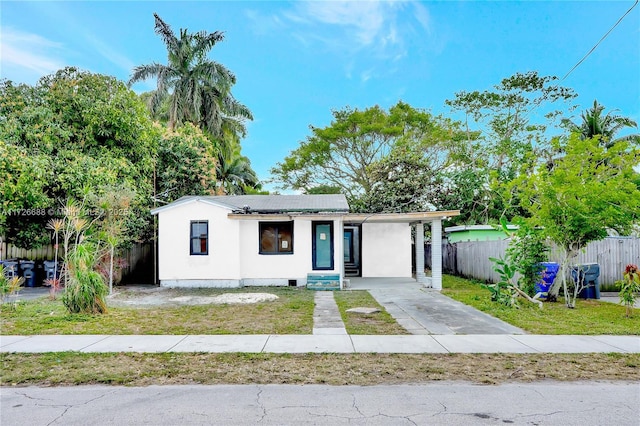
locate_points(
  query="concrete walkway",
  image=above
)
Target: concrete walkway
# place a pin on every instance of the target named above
(326, 316)
(501, 343)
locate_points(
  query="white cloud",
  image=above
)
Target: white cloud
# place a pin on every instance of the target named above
(26, 56)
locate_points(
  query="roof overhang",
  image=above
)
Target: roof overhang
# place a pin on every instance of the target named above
(189, 200)
(413, 217)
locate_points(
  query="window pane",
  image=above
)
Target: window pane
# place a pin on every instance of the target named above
(284, 240)
(198, 229)
(276, 237)
(268, 239)
(199, 237)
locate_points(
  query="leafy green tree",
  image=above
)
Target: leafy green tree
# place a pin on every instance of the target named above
(234, 173)
(505, 129)
(587, 192)
(199, 89)
(73, 133)
(404, 181)
(339, 154)
(595, 124)
(187, 164)
(352, 154)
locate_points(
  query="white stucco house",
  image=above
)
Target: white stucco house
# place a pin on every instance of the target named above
(286, 240)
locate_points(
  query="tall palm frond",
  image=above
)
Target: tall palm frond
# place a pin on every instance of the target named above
(198, 88)
(595, 124)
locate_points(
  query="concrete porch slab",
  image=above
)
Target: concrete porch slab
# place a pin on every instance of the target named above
(291, 343)
(53, 343)
(143, 343)
(397, 344)
(253, 343)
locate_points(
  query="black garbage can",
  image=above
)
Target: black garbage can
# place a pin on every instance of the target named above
(28, 272)
(589, 275)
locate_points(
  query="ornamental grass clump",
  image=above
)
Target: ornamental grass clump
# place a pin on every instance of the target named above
(85, 290)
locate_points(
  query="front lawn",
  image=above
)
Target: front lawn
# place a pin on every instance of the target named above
(292, 313)
(589, 316)
(377, 323)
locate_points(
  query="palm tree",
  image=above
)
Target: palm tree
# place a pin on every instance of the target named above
(199, 89)
(234, 172)
(594, 124)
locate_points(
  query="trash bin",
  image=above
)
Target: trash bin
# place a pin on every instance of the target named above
(547, 277)
(49, 267)
(28, 272)
(10, 268)
(588, 274)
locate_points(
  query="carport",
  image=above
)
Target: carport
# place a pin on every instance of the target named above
(418, 220)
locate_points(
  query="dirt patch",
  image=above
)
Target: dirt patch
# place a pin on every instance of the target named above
(159, 296)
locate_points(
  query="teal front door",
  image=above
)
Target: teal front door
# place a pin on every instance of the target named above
(322, 245)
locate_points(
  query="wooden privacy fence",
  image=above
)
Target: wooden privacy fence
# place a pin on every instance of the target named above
(471, 258)
(139, 259)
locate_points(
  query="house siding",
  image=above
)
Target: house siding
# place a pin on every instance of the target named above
(174, 261)
(386, 250)
(233, 259)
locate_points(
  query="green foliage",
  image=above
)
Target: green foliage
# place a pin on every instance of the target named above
(198, 89)
(85, 289)
(73, 133)
(364, 154)
(582, 195)
(9, 285)
(504, 141)
(186, 164)
(630, 287)
(594, 124)
(234, 172)
(503, 291)
(527, 249)
(404, 181)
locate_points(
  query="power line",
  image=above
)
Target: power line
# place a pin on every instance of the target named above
(600, 41)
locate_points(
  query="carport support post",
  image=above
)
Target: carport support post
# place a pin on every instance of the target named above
(436, 254)
(420, 277)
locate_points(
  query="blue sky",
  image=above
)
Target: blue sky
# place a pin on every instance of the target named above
(296, 61)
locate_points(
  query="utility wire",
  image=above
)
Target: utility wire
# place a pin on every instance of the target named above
(600, 41)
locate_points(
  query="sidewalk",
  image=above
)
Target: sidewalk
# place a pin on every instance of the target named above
(322, 344)
(330, 336)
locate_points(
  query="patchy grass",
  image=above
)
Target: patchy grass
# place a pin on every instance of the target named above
(589, 316)
(378, 323)
(292, 313)
(72, 368)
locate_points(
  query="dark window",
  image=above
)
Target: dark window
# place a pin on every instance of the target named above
(199, 237)
(276, 237)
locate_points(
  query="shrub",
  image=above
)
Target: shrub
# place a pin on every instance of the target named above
(85, 289)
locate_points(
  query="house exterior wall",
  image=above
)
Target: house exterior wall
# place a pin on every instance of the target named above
(177, 267)
(386, 250)
(278, 269)
(233, 258)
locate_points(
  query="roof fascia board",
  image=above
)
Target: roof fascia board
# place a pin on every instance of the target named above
(188, 201)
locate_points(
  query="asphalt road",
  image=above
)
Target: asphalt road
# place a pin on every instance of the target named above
(454, 403)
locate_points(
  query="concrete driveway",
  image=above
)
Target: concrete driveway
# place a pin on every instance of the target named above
(425, 311)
